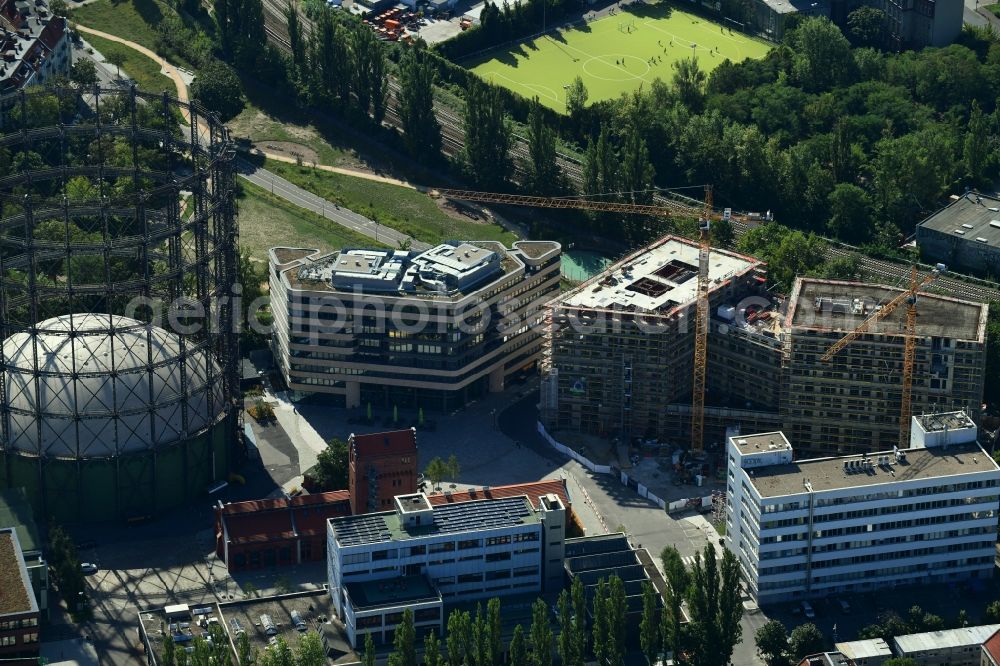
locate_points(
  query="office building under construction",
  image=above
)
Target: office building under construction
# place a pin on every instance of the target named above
(620, 362)
(851, 403)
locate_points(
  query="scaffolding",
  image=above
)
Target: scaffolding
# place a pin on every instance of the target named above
(119, 208)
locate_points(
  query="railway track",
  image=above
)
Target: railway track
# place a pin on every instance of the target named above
(453, 140)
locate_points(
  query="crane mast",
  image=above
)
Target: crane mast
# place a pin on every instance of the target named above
(701, 329)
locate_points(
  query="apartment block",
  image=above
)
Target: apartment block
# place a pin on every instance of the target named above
(400, 328)
(622, 345)
(421, 555)
(851, 404)
(819, 526)
(34, 45)
(381, 466)
(19, 612)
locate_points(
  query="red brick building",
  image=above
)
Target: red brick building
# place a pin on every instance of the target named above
(18, 608)
(273, 532)
(380, 466)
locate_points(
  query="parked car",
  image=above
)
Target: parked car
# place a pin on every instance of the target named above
(88, 568)
(807, 610)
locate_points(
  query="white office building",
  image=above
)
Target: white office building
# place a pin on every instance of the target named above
(809, 528)
(420, 555)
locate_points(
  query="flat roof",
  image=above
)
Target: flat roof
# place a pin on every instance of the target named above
(791, 6)
(15, 511)
(873, 647)
(762, 442)
(16, 593)
(946, 638)
(595, 544)
(448, 518)
(391, 592)
(945, 421)
(967, 219)
(840, 307)
(829, 474)
(658, 279)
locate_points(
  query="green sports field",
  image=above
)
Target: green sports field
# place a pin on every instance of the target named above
(614, 54)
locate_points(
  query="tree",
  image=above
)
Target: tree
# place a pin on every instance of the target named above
(436, 471)
(993, 612)
(617, 608)
(850, 214)
(716, 609)
(677, 580)
(518, 649)
(369, 657)
(900, 661)
(804, 640)
(246, 655)
(541, 634)
(576, 97)
(65, 566)
(370, 67)
(822, 55)
(218, 89)
(116, 58)
(432, 650)
(722, 233)
(58, 7)
(459, 637)
(649, 627)
(772, 643)
(976, 150)
(689, 83)
(404, 642)
(421, 130)
(599, 611)
(296, 43)
(493, 635)
(487, 136)
(543, 176)
(454, 469)
(579, 627)
(310, 651)
(330, 472)
(83, 72)
(566, 643)
(865, 25)
(169, 656)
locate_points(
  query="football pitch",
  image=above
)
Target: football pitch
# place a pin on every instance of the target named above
(614, 54)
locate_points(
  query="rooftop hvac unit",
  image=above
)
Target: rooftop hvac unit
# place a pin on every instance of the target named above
(847, 466)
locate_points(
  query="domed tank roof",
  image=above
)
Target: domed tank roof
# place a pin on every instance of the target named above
(105, 385)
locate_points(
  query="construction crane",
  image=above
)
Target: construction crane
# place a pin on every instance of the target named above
(701, 329)
(909, 341)
(702, 307)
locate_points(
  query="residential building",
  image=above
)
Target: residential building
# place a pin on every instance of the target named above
(851, 404)
(380, 466)
(276, 532)
(620, 357)
(964, 235)
(34, 45)
(419, 555)
(991, 650)
(868, 652)
(16, 512)
(19, 614)
(814, 527)
(402, 328)
(946, 647)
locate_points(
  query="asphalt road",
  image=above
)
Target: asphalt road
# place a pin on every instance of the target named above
(304, 199)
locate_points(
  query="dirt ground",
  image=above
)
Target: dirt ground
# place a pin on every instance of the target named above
(308, 155)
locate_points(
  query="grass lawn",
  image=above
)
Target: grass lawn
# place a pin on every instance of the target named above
(134, 20)
(266, 221)
(611, 59)
(146, 72)
(995, 8)
(414, 213)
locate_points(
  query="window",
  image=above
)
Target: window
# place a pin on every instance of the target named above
(448, 546)
(471, 578)
(497, 540)
(526, 536)
(498, 557)
(31, 638)
(498, 575)
(356, 558)
(418, 550)
(471, 543)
